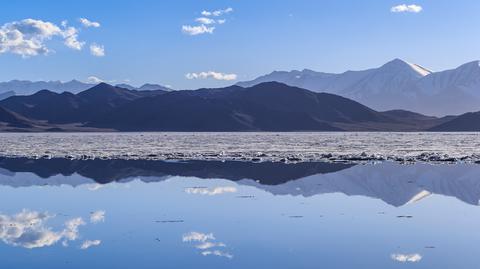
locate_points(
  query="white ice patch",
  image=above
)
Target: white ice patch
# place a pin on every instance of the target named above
(285, 147)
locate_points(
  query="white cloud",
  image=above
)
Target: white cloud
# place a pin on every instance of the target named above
(90, 243)
(29, 37)
(205, 20)
(87, 23)
(94, 80)
(211, 191)
(217, 253)
(217, 13)
(406, 257)
(207, 245)
(406, 8)
(211, 74)
(198, 237)
(97, 50)
(197, 30)
(71, 38)
(28, 229)
(97, 216)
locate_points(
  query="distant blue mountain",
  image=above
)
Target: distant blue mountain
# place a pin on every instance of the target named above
(26, 87)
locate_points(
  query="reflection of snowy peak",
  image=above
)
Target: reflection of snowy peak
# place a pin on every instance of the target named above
(395, 85)
(394, 184)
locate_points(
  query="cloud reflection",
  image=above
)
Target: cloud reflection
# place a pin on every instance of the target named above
(211, 191)
(97, 216)
(198, 237)
(28, 229)
(217, 253)
(207, 244)
(406, 257)
(90, 243)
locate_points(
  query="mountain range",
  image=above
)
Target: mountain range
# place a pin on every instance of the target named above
(26, 87)
(269, 106)
(395, 85)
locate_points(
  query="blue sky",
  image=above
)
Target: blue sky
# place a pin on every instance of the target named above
(144, 42)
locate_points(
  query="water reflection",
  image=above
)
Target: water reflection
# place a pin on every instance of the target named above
(206, 244)
(407, 257)
(393, 183)
(141, 214)
(90, 243)
(29, 229)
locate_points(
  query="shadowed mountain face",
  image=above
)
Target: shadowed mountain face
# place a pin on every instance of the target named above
(72, 108)
(11, 119)
(269, 106)
(393, 183)
(5, 95)
(468, 122)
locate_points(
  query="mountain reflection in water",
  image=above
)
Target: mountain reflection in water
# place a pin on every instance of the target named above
(393, 183)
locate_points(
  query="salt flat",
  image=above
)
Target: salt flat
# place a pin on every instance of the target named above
(249, 146)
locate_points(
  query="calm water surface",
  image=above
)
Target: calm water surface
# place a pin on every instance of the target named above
(150, 214)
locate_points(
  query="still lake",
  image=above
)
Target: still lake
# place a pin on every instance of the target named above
(86, 212)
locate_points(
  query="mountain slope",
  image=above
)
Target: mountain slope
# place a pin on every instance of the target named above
(26, 87)
(72, 108)
(5, 95)
(468, 122)
(267, 106)
(11, 119)
(395, 85)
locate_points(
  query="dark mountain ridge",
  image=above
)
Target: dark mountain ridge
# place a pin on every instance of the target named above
(72, 108)
(468, 122)
(268, 106)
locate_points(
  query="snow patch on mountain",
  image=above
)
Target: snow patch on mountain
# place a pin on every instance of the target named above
(395, 85)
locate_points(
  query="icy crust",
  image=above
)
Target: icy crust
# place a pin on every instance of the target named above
(255, 147)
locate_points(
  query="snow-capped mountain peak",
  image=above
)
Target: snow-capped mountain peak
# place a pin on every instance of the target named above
(397, 84)
(399, 65)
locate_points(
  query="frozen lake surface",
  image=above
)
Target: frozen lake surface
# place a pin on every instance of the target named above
(286, 147)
